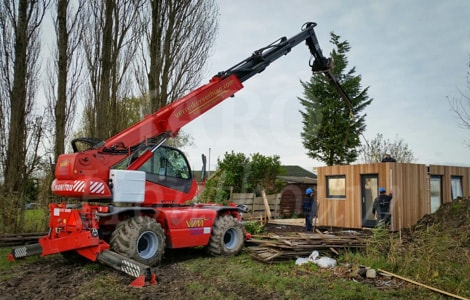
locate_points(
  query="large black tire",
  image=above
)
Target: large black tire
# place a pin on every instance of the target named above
(227, 236)
(140, 238)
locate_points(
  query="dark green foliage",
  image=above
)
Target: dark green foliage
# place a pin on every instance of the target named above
(215, 191)
(236, 169)
(331, 129)
(237, 173)
(254, 227)
(264, 171)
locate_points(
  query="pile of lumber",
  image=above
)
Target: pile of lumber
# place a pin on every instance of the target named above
(272, 247)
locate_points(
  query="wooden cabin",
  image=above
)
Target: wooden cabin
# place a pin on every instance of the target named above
(346, 193)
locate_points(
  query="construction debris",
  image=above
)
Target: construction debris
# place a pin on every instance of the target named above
(274, 247)
(322, 262)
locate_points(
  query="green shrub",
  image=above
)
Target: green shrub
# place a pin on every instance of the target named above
(254, 227)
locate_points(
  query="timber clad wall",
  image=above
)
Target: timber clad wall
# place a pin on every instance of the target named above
(447, 172)
(409, 183)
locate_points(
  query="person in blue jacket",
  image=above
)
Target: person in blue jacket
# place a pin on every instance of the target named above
(309, 206)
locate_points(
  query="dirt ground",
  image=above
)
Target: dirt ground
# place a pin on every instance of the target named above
(54, 278)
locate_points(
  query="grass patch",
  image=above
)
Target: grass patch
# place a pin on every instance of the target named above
(29, 221)
(438, 256)
(35, 220)
(284, 280)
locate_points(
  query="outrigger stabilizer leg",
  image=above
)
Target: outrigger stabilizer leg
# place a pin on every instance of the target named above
(143, 273)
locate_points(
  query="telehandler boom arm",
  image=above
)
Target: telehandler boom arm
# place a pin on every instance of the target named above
(225, 84)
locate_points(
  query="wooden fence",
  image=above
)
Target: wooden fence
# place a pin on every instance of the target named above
(257, 206)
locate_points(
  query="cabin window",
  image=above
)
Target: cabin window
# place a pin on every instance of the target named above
(436, 192)
(456, 186)
(336, 186)
(167, 162)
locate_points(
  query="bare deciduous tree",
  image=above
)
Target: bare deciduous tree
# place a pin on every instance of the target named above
(65, 72)
(20, 21)
(375, 149)
(178, 38)
(65, 78)
(461, 106)
(110, 42)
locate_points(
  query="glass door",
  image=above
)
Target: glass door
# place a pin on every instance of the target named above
(436, 192)
(369, 189)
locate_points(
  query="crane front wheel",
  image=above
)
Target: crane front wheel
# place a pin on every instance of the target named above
(140, 238)
(227, 236)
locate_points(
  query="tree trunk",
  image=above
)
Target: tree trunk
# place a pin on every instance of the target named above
(60, 107)
(155, 55)
(16, 154)
(102, 128)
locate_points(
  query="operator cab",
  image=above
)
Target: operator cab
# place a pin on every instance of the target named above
(167, 167)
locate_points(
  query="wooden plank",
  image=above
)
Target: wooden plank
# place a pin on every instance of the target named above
(277, 203)
(266, 205)
(293, 222)
(260, 207)
(423, 285)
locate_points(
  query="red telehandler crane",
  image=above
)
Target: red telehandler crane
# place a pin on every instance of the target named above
(133, 190)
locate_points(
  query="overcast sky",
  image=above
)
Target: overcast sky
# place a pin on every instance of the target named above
(413, 55)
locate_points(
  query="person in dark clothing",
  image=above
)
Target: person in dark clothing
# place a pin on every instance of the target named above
(309, 209)
(388, 158)
(381, 207)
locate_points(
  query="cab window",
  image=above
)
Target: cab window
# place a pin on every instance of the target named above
(167, 162)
